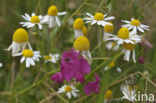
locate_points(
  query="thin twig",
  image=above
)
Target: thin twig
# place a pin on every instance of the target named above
(47, 98)
(56, 93)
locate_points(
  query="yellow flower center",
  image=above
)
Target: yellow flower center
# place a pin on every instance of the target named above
(135, 22)
(99, 16)
(129, 46)
(27, 53)
(68, 89)
(47, 57)
(111, 65)
(84, 31)
(52, 11)
(81, 43)
(20, 35)
(109, 28)
(78, 24)
(113, 44)
(130, 88)
(35, 19)
(108, 94)
(123, 33)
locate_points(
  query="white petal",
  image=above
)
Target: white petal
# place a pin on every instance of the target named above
(22, 59)
(134, 56)
(62, 13)
(39, 26)
(126, 21)
(109, 18)
(140, 29)
(57, 21)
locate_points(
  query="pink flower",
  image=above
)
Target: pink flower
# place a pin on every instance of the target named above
(92, 86)
(141, 60)
(73, 65)
(146, 44)
(58, 77)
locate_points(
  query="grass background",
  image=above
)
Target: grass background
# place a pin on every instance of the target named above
(20, 85)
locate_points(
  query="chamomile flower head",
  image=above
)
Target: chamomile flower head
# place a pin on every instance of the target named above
(78, 26)
(52, 16)
(135, 25)
(127, 49)
(19, 41)
(108, 96)
(112, 65)
(69, 90)
(128, 92)
(33, 20)
(124, 36)
(98, 18)
(82, 44)
(85, 31)
(108, 30)
(29, 56)
(51, 58)
(112, 45)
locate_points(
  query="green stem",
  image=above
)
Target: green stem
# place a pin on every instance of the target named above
(36, 83)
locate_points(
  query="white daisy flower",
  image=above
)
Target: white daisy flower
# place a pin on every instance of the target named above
(111, 65)
(69, 90)
(128, 92)
(20, 41)
(112, 45)
(98, 18)
(127, 49)
(33, 20)
(108, 30)
(108, 96)
(82, 45)
(52, 16)
(51, 58)
(78, 26)
(1, 65)
(135, 24)
(124, 36)
(29, 56)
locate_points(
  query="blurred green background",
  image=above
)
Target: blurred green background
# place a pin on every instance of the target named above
(61, 39)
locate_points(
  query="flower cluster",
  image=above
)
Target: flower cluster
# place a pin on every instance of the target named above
(76, 64)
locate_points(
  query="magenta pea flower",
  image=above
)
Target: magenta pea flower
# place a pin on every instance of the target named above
(57, 77)
(141, 60)
(92, 86)
(73, 65)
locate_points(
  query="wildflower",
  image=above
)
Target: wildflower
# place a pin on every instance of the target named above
(128, 92)
(92, 86)
(82, 45)
(1, 65)
(127, 49)
(78, 26)
(52, 16)
(29, 56)
(85, 31)
(20, 41)
(112, 65)
(33, 20)
(69, 90)
(112, 45)
(108, 96)
(58, 77)
(98, 18)
(135, 24)
(73, 65)
(51, 58)
(108, 30)
(141, 60)
(124, 36)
